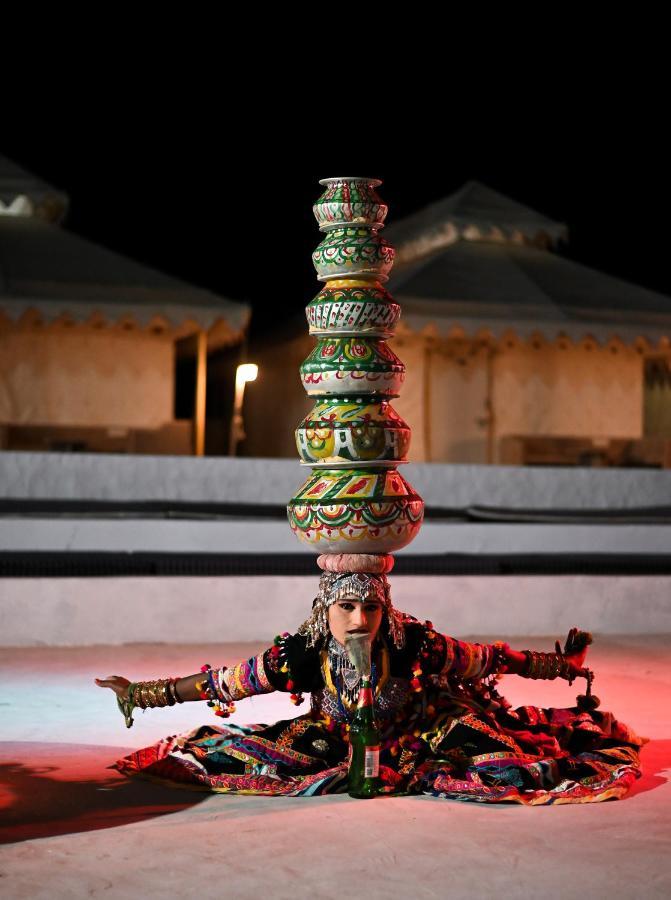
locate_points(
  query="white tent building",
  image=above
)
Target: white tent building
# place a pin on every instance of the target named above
(89, 339)
(516, 354)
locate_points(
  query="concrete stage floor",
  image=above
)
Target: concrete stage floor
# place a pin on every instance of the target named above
(71, 827)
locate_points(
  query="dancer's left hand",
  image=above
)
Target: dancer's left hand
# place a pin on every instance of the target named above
(575, 651)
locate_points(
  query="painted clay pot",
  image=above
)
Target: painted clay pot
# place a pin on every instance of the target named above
(352, 366)
(349, 201)
(346, 306)
(356, 511)
(352, 253)
(343, 431)
(355, 508)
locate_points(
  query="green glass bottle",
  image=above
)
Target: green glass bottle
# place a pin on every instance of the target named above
(364, 747)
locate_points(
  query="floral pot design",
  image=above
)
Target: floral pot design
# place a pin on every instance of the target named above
(352, 366)
(347, 306)
(349, 201)
(356, 511)
(341, 431)
(351, 253)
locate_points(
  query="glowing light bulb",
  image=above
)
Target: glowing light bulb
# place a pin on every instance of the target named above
(246, 372)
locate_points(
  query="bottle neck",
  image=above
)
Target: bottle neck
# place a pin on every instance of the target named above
(366, 699)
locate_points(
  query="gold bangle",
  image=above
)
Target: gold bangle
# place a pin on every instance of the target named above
(548, 666)
(139, 695)
(535, 665)
(150, 694)
(158, 693)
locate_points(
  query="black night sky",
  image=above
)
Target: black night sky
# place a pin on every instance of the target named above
(246, 231)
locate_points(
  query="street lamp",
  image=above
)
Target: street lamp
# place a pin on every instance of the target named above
(244, 373)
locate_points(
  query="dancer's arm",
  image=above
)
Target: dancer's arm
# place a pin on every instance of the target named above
(186, 687)
(532, 664)
(226, 684)
(286, 666)
(218, 687)
(472, 661)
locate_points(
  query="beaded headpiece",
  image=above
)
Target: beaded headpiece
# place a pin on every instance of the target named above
(334, 586)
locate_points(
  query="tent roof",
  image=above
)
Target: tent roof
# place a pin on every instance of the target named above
(56, 273)
(22, 193)
(502, 287)
(474, 211)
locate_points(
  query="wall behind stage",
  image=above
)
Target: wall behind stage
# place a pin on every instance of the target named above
(584, 391)
(546, 391)
(86, 377)
(580, 391)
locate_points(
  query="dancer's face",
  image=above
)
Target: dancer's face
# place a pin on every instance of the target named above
(348, 616)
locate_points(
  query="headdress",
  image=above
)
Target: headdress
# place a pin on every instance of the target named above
(334, 586)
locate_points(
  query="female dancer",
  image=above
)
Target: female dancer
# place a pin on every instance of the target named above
(445, 729)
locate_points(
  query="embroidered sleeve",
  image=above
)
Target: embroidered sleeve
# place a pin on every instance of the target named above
(448, 656)
(286, 666)
(244, 679)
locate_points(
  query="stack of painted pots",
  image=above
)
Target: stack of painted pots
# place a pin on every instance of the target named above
(355, 502)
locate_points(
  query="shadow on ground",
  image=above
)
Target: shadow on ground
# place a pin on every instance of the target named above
(54, 789)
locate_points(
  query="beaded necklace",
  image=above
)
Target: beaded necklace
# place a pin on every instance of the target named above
(341, 678)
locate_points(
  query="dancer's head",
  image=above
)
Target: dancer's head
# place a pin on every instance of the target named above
(352, 601)
(349, 615)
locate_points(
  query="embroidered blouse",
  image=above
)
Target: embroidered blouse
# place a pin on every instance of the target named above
(427, 657)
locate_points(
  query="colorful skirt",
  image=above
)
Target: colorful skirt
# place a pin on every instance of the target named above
(528, 755)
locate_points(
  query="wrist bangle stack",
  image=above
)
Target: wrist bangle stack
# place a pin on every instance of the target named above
(546, 665)
(147, 695)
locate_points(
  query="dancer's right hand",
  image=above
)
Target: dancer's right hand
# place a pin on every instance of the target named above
(116, 683)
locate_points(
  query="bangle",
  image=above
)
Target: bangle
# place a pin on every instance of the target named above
(545, 665)
(150, 694)
(147, 694)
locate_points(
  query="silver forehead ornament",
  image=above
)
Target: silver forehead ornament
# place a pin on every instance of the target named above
(334, 586)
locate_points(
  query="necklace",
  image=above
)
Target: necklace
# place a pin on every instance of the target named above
(346, 678)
